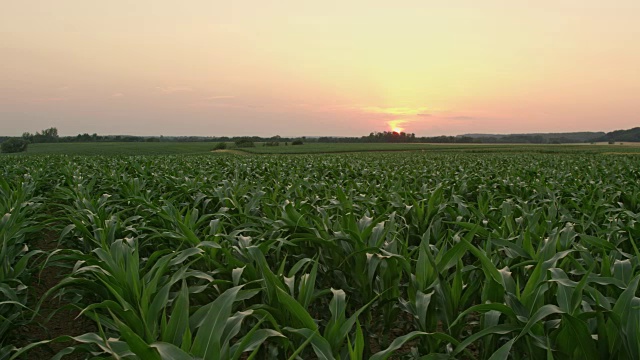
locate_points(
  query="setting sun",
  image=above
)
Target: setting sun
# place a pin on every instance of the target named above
(395, 125)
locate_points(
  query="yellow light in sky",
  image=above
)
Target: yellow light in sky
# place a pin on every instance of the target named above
(398, 111)
(395, 125)
(321, 68)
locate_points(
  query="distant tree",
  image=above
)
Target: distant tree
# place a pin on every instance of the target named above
(244, 142)
(464, 139)
(631, 135)
(27, 136)
(50, 132)
(220, 146)
(14, 145)
(297, 142)
(46, 136)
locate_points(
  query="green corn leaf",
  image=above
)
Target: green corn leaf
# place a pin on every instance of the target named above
(169, 351)
(498, 329)
(320, 345)
(542, 313)
(295, 309)
(396, 344)
(135, 342)
(574, 339)
(503, 352)
(487, 266)
(209, 335)
(252, 341)
(179, 320)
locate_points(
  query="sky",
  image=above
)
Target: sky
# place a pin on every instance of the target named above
(293, 68)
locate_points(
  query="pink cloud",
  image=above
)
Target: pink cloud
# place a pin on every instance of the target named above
(173, 89)
(219, 97)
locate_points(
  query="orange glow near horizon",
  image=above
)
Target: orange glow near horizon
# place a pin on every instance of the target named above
(395, 125)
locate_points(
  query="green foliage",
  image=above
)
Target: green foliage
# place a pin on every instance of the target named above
(387, 255)
(122, 148)
(199, 148)
(244, 143)
(632, 134)
(297, 142)
(220, 146)
(49, 135)
(14, 145)
(20, 207)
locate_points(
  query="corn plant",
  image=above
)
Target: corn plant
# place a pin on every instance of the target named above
(407, 255)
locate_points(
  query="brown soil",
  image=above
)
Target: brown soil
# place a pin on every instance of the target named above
(237, 152)
(63, 322)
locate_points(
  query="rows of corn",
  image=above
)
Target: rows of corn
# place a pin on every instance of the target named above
(371, 256)
(20, 219)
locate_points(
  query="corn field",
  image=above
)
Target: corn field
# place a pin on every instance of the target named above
(360, 256)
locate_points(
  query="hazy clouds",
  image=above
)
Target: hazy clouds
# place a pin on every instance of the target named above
(318, 68)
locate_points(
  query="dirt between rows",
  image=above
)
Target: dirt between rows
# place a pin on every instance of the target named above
(63, 321)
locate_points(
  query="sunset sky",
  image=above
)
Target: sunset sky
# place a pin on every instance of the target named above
(348, 67)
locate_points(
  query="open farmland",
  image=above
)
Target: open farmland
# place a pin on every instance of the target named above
(349, 256)
(121, 148)
(201, 148)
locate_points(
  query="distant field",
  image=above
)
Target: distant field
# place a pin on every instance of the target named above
(122, 148)
(314, 148)
(454, 254)
(317, 148)
(194, 148)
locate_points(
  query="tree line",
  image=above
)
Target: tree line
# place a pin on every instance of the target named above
(402, 137)
(51, 135)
